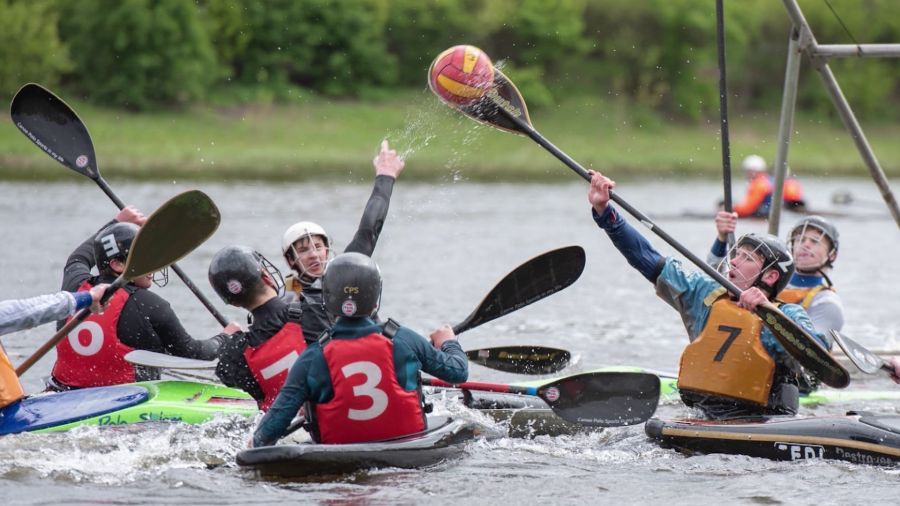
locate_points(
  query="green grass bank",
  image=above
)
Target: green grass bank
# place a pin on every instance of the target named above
(320, 139)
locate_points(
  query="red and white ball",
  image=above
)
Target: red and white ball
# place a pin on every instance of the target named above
(461, 75)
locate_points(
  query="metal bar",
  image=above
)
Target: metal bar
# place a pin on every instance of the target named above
(785, 126)
(858, 51)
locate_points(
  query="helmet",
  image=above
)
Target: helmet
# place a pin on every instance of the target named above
(754, 163)
(818, 223)
(775, 255)
(351, 285)
(113, 242)
(236, 274)
(302, 229)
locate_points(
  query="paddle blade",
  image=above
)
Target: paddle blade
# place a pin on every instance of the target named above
(55, 128)
(862, 358)
(603, 399)
(530, 282)
(803, 347)
(503, 94)
(170, 233)
(521, 359)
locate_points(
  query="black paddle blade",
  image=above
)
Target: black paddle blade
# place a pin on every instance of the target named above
(530, 282)
(803, 347)
(54, 127)
(604, 399)
(171, 232)
(862, 358)
(522, 359)
(502, 94)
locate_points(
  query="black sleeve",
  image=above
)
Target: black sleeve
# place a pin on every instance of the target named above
(149, 323)
(80, 262)
(232, 369)
(373, 217)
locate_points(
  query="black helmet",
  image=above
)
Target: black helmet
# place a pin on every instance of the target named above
(775, 256)
(818, 223)
(351, 285)
(235, 273)
(113, 242)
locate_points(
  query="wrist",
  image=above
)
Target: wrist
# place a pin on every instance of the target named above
(82, 299)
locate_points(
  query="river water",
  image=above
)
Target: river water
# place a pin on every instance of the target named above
(443, 247)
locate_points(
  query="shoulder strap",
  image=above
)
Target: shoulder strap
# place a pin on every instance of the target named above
(390, 328)
(324, 337)
(295, 311)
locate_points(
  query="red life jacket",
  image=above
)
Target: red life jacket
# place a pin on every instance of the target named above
(369, 404)
(92, 355)
(271, 361)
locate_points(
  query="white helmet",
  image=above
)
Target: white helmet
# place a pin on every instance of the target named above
(754, 163)
(302, 229)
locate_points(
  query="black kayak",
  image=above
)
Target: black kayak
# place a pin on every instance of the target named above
(444, 438)
(858, 437)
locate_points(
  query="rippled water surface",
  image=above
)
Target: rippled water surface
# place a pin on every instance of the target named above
(443, 247)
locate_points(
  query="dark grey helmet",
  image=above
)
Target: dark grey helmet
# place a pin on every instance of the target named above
(235, 273)
(775, 255)
(351, 285)
(113, 242)
(819, 223)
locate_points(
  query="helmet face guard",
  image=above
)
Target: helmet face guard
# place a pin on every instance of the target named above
(296, 232)
(774, 255)
(826, 228)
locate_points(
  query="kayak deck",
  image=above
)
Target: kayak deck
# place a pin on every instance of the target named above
(444, 438)
(857, 437)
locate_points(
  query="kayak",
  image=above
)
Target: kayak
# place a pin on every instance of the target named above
(858, 437)
(445, 438)
(151, 401)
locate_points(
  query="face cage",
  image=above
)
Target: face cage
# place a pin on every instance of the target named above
(274, 273)
(161, 277)
(798, 233)
(757, 251)
(296, 267)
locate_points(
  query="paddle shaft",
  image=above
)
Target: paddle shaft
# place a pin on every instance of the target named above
(723, 111)
(71, 324)
(768, 312)
(483, 387)
(181, 274)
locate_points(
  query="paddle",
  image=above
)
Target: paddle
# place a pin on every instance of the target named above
(723, 112)
(149, 358)
(530, 282)
(54, 127)
(599, 399)
(521, 359)
(503, 107)
(865, 360)
(170, 233)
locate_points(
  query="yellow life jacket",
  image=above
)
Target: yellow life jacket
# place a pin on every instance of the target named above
(728, 358)
(10, 387)
(802, 296)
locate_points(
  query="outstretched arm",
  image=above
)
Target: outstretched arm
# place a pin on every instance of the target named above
(388, 166)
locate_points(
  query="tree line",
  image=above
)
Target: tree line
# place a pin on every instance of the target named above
(659, 54)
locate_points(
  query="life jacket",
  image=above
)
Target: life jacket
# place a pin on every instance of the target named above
(92, 354)
(292, 284)
(801, 295)
(10, 386)
(271, 361)
(792, 192)
(369, 404)
(728, 359)
(758, 198)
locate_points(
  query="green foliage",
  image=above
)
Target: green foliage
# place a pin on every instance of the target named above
(30, 49)
(135, 53)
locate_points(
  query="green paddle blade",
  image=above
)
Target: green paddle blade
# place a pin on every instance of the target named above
(521, 359)
(604, 399)
(170, 233)
(55, 128)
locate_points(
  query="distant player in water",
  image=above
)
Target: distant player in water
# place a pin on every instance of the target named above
(758, 199)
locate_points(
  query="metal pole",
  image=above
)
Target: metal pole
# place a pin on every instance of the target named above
(785, 126)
